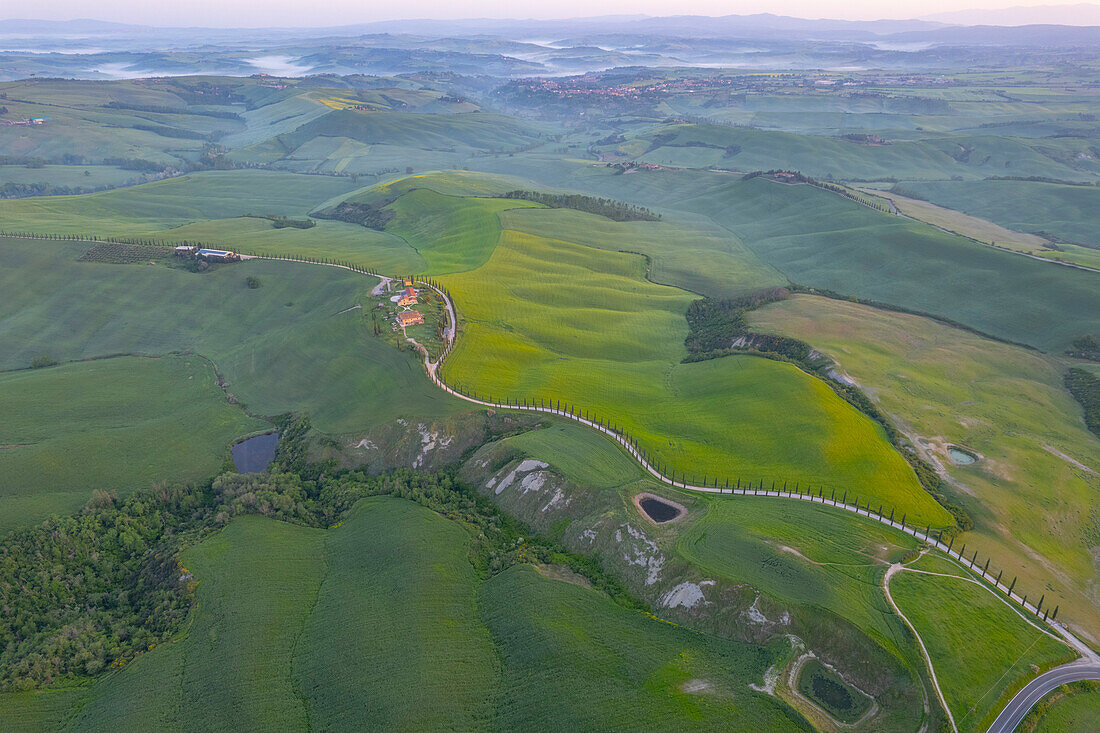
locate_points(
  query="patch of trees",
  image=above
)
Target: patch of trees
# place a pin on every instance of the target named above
(13, 190)
(161, 109)
(609, 208)
(1040, 179)
(1085, 388)
(719, 328)
(283, 222)
(136, 164)
(1085, 347)
(717, 323)
(372, 215)
(87, 593)
(173, 132)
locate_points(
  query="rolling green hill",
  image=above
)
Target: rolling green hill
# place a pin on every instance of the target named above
(284, 346)
(382, 623)
(933, 157)
(1032, 489)
(111, 425)
(819, 239)
(549, 317)
(1066, 213)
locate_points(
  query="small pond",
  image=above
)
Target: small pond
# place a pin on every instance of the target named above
(254, 455)
(960, 457)
(659, 511)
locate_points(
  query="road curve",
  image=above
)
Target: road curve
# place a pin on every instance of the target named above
(1019, 706)
(987, 581)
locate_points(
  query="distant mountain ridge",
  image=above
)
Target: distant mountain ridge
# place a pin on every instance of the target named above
(1077, 14)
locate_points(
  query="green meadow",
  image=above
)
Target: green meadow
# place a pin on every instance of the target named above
(820, 239)
(1068, 213)
(110, 425)
(806, 555)
(382, 622)
(556, 319)
(1033, 488)
(974, 155)
(580, 454)
(976, 679)
(284, 346)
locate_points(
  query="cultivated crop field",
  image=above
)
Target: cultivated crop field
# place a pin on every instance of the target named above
(396, 578)
(552, 319)
(111, 425)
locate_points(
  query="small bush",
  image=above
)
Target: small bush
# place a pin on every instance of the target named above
(44, 360)
(252, 282)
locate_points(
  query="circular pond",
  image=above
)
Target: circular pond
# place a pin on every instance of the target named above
(657, 509)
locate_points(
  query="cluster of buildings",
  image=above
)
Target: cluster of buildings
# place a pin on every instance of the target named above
(409, 317)
(28, 121)
(210, 255)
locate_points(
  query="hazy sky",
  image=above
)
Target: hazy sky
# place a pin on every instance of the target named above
(255, 13)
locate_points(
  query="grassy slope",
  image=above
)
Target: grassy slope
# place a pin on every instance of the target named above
(280, 347)
(1069, 212)
(820, 239)
(933, 157)
(555, 318)
(682, 252)
(258, 580)
(381, 623)
(451, 233)
(975, 679)
(805, 555)
(1005, 403)
(986, 231)
(573, 660)
(117, 425)
(173, 202)
(581, 455)
(400, 597)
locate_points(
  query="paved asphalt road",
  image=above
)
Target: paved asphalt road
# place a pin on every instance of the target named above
(1039, 688)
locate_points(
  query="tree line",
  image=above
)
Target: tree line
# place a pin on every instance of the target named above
(609, 208)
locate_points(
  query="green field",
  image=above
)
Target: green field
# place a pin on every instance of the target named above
(400, 595)
(807, 555)
(931, 157)
(111, 425)
(819, 239)
(284, 346)
(546, 316)
(1033, 489)
(72, 176)
(174, 202)
(381, 622)
(1067, 212)
(582, 455)
(976, 679)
